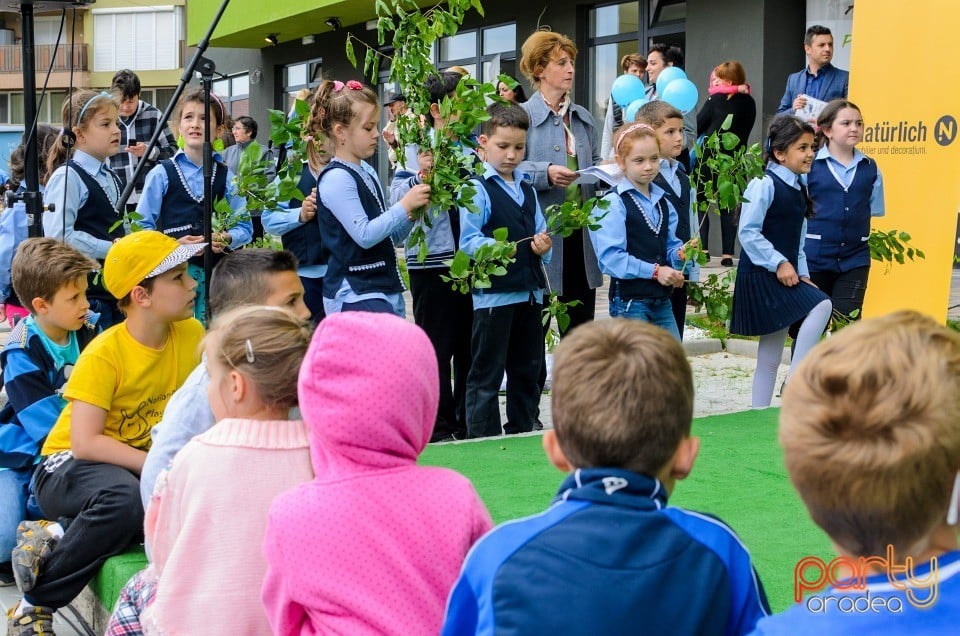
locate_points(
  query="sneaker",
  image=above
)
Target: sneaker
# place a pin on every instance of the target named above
(6, 575)
(726, 262)
(34, 545)
(538, 425)
(439, 437)
(34, 622)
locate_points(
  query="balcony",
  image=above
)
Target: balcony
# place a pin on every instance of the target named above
(11, 58)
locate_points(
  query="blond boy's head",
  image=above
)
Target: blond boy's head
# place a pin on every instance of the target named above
(622, 396)
(870, 428)
(42, 266)
(667, 123)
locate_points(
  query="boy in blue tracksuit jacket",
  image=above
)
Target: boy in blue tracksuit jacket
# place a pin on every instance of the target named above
(50, 278)
(610, 556)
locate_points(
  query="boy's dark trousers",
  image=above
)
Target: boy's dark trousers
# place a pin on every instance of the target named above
(446, 316)
(678, 301)
(505, 338)
(99, 506)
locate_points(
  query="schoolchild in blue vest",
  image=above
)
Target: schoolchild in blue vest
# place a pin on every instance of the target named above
(83, 191)
(507, 324)
(172, 198)
(773, 288)
(611, 555)
(637, 244)
(356, 226)
(846, 188)
(667, 122)
(442, 312)
(298, 227)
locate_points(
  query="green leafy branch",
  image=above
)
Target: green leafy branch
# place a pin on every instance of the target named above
(714, 294)
(412, 33)
(226, 218)
(566, 218)
(490, 259)
(722, 173)
(557, 311)
(892, 246)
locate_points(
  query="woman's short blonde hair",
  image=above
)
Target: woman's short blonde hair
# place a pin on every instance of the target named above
(539, 49)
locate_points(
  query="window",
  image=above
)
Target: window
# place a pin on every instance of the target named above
(11, 108)
(296, 77)
(141, 39)
(481, 49)
(46, 29)
(629, 27)
(234, 92)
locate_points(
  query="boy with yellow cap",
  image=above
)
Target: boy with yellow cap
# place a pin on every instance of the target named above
(92, 458)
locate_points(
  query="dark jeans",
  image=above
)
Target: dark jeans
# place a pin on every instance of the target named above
(446, 316)
(510, 339)
(110, 314)
(575, 285)
(728, 230)
(99, 505)
(845, 289)
(313, 298)
(373, 305)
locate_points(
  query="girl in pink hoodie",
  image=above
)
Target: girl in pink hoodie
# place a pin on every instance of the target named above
(206, 520)
(374, 543)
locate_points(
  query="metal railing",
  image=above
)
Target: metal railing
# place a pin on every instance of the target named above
(11, 57)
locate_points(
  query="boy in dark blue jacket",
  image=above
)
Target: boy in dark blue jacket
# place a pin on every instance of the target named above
(51, 279)
(610, 556)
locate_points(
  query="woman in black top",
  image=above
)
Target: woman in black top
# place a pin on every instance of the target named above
(726, 100)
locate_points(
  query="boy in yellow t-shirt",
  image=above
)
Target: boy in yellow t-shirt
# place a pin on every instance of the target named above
(93, 456)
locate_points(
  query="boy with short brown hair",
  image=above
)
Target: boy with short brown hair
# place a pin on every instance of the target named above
(610, 554)
(870, 429)
(51, 279)
(93, 455)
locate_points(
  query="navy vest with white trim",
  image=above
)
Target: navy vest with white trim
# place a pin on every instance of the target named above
(367, 270)
(837, 234)
(680, 203)
(781, 224)
(526, 272)
(647, 245)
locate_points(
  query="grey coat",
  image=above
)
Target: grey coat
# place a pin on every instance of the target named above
(546, 145)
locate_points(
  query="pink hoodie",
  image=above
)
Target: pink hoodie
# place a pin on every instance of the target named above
(374, 543)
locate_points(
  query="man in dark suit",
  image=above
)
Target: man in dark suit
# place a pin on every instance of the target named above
(820, 80)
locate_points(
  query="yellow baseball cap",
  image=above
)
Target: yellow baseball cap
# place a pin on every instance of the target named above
(142, 255)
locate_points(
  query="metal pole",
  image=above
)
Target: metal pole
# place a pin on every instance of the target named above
(207, 69)
(31, 168)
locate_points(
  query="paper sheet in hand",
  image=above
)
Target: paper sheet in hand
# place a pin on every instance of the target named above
(811, 110)
(608, 173)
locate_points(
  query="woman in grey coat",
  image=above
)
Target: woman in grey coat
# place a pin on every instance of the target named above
(561, 140)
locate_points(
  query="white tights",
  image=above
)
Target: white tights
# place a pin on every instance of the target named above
(770, 352)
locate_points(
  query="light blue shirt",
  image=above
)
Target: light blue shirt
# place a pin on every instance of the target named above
(286, 219)
(62, 354)
(472, 236)
(758, 197)
(669, 168)
(845, 175)
(338, 193)
(59, 223)
(156, 185)
(610, 241)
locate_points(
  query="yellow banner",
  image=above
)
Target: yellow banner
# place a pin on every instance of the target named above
(905, 78)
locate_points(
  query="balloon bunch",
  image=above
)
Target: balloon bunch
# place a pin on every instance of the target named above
(673, 87)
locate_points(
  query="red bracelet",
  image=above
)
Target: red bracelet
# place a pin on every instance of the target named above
(656, 270)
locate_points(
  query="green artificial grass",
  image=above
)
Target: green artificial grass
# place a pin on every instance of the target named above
(739, 476)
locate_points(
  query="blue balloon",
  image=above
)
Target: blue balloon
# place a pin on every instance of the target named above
(667, 75)
(630, 112)
(681, 93)
(627, 88)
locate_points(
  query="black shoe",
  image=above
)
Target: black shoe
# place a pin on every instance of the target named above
(726, 262)
(6, 574)
(441, 436)
(538, 425)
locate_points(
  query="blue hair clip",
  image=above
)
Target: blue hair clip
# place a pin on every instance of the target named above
(101, 95)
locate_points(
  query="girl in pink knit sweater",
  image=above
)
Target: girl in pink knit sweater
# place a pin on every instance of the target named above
(206, 520)
(374, 543)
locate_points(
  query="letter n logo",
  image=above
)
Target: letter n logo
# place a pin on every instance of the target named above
(945, 130)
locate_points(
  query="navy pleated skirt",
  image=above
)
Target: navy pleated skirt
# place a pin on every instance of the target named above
(762, 304)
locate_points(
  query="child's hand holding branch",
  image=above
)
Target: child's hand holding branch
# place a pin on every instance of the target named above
(541, 243)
